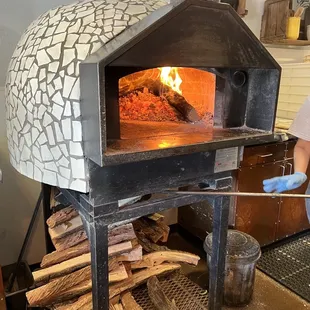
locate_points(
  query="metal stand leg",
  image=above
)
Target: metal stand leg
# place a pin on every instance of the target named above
(99, 261)
(219, 242)
(47, 212)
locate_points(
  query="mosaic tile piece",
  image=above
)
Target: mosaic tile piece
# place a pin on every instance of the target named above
(43, 86)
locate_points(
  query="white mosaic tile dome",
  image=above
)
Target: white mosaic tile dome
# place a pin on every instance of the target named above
(44, 127)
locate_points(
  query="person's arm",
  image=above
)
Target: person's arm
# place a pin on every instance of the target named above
(290, 182)
(301, 156)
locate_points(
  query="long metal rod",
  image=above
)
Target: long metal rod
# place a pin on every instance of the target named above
(238, 194)
(25, 243)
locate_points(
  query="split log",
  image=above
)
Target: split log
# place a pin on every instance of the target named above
(66, 228)
(70, 286)
(118, 307)
(81, 302)
(166, 231)
(155, 231)
(156, 217)
(129, 302)
(56, 290)
(121, 233)
(159, 89)
(141, 277)
(132, 256)
(120, 248)
(118, 274)
(61, 217)
(64, 305)
(157, 258)
(147, 245)
(62, 268)
(44, 275)
(158, 297)
(149, 228)
(57, 257)
(70, 241)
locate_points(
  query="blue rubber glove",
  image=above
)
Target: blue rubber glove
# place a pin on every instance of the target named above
(285, 183)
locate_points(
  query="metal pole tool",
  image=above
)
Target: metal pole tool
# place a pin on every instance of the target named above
(237, 194)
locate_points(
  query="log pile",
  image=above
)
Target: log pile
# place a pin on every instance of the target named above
(64, 280)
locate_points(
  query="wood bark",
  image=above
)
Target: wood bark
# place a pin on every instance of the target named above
(159, 89)
(158, 297)
(57, 257)
(129, 302)
(56, 290)
(61, 217)
(66, 267)
(149, 228)
(121, 233)
(70, 241)
(70, 286)
(157, 258)
(147, 245)
(62, 268)
(154, 230)
(140, 277)
(66, 228)
(64, 305)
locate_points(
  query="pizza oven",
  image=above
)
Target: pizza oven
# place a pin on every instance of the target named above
(107, 83)
(111, 101)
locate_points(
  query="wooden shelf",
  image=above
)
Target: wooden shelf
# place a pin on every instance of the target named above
(289, 42)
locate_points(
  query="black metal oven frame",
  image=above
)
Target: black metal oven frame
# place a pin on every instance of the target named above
(99, 208)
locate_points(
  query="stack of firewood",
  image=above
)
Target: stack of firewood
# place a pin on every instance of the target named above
(64, 280)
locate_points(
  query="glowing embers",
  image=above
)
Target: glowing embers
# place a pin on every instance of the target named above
(183, 95)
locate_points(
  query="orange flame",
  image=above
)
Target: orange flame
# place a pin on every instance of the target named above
(170, 77)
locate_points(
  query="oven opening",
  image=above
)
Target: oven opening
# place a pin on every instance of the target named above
(166, 101)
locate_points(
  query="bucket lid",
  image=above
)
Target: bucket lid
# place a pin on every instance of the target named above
(240, 247)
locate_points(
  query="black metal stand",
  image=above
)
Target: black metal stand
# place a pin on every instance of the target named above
(47, 212)
(25, 243)
(98, 218)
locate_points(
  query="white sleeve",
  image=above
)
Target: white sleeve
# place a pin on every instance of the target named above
(300, 127)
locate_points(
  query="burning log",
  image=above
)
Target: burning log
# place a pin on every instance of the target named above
(158, 297)
(159, 89)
